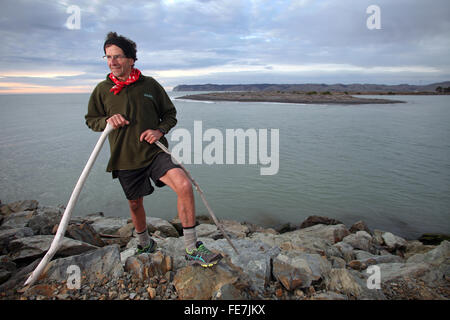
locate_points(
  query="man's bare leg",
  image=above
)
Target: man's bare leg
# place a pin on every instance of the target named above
(138, 214)
(196, 253)
(146, 244)
(177, 180)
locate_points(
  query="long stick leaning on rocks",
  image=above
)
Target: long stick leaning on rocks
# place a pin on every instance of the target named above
(56, 243)
(211, 213)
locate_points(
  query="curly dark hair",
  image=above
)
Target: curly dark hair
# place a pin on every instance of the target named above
(128, 46)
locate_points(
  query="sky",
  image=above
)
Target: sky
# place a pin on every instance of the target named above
(57, 46)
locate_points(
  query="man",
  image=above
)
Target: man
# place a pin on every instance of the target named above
(140, 111)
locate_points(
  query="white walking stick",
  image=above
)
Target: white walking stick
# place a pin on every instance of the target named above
(67, 213)
(159, 144)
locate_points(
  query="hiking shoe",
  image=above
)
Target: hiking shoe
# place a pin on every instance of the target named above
(202, 256)
(150, 248)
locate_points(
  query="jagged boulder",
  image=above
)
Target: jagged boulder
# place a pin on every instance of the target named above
(360, 240)
(17, 219)
(8, 235)
(330, 233)
(148, 265)
(23, 205)
(165, 227)
(84, 232)
(197, 283)
(45, 219)
(313, 220)
(94, 266)
(108, 225)
(36, 246)
(352, 284)
(393, 242)
(296, 269)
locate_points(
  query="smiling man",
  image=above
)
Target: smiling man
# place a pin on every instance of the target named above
(141, 113)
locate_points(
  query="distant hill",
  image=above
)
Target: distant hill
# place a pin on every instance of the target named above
(308, 87)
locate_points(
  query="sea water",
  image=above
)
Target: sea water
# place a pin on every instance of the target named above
(386, 164)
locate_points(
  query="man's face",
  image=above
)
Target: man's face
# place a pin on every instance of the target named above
(120, 67)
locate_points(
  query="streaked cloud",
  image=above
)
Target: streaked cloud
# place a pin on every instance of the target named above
(228, 41)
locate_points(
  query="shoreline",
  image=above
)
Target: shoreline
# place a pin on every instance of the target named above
(320, 259)
(287, 97)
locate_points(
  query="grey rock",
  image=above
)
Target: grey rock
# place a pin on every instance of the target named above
(7, 268)
(405, 271)
(359, 240)
(377, 237)
(229, 291)
(254, 256)
(330, 233)
(95, 266)
(17, 219)
(415, 247)
(125, 254)
(360, 226)
(18, 278)
(148, 265)
(24, 205)
(329, 295)
(84, 232)
(352, 284)
(8, 235)
(206, 230)
(45, 219)
(298, 269)
(235, 229)
(346, 251)
(436, 257)
(108, 225)
(35, 246)
(196, 283)
(313, 220)
(297, 240)
(393, 242)
(165, 227)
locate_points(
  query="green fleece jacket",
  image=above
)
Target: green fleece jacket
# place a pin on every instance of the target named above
(146, 105)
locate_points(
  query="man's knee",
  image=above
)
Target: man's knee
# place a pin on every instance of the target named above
(135, 204)
(184, 186)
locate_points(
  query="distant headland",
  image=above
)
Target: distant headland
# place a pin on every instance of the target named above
(355, 88)
(287, 97)
(309, 93)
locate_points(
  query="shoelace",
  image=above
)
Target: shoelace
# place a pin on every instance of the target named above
(202, 248)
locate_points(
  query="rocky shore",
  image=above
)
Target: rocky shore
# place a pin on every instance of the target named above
(287, 97)
(319, 259)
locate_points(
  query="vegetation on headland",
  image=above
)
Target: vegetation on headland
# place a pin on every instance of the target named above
(311, 97)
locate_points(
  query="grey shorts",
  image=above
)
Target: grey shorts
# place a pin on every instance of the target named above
(136, 183)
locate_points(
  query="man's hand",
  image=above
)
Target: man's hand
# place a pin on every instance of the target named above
(151, 135)
(117, 121)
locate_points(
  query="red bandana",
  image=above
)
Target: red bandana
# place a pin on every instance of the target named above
(134, 76)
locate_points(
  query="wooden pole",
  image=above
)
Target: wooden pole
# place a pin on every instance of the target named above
(56, 243)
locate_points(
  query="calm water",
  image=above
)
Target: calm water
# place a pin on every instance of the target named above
(388, 165)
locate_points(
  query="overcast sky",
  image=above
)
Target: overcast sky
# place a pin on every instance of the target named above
(225, 42)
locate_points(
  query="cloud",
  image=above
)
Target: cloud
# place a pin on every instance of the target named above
(232, 40)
